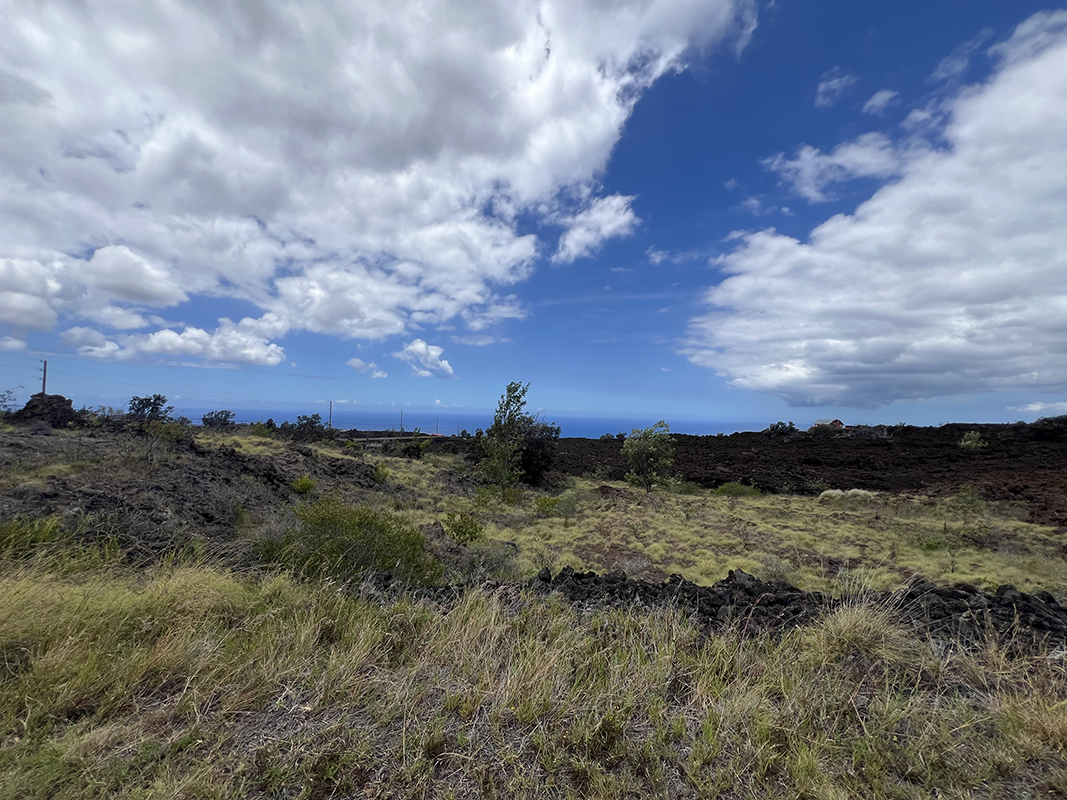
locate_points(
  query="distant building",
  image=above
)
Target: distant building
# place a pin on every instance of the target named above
(836, 424)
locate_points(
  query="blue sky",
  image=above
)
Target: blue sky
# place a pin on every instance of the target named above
(685, 209)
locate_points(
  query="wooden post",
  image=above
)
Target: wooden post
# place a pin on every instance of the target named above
(329, 424)
(44, 378)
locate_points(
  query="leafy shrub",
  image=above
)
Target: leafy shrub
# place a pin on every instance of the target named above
(737, 489)
(381, 473)
(167, 431)
(544, 506)
(415, 448)
(780, 429)
(972, 440)
(7, 402)
(650, 453)
(150, 409)
(463, 528)
(262, 428)
(305, 485)
(217, 419)
(335, 540)
(517, 445)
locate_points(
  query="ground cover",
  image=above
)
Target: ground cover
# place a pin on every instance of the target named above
(196, 682)
(147, 649)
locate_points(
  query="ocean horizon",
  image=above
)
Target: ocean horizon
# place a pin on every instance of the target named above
(453, 422)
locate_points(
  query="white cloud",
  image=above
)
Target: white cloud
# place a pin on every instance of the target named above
(359, 365)
(236, 343)
(11, 343)
(1038, 407)
(425, 359)
(948, 281)
(832, 86)
(880, 101)
(956, 62)
(810, 172)
(606, 218)
(125, 275)
(655, 257)
(480, 341)
(355, 169)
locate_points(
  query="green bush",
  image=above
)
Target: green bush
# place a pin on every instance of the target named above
(381, 473)
(305, 485)
(737, 489)
(650, 454)
(972, 440)
(218, 419)
(544, 506)
(463, 528)
(335, 540)
(167, 431)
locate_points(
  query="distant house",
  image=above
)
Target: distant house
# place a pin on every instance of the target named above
(836, 424)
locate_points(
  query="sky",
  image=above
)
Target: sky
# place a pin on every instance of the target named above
(730, 210)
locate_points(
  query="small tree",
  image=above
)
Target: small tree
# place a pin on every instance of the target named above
(517, 445)
(217, 419)
(150, 409)
(7, 401)
(650, 453)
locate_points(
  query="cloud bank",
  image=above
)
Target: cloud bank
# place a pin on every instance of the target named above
(353, 169)
(950, 280)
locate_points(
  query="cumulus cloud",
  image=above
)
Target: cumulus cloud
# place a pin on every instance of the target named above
(243, 342)
(810, 172)
(880, 101)
(425, 359)
(832, 86)
(11, 343)
(354, 169)
(947, 281)
(360, 365)
(605, 218)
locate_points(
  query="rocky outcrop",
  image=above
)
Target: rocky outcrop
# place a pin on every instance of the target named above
(53, 409)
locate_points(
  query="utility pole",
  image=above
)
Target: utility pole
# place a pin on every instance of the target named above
(437, 430)
(330, 423)
(401, 420)
(44, 377)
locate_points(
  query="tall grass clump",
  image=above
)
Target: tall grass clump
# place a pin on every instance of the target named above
(333, 539)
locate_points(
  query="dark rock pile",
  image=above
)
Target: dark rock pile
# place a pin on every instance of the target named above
(960, 612)
(55, 410)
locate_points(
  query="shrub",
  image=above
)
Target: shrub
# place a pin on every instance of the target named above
(262, 428)
(737, 489)
(544, 505)
(305, 485)
(381, 473)
(150, 409)
(780, 429)
(7, 402)
(650, 453)
(172, 431)
(517, 445)
(972, 440)
(340, 541)
(463, 528)
(217, 419)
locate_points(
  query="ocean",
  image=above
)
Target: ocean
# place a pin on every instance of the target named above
(451, 422)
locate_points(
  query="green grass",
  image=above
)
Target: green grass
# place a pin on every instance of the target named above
(192, 682)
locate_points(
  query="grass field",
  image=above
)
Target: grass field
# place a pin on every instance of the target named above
(194, 683)
(188, 679)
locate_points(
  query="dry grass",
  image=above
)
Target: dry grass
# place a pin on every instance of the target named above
(191, 682)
